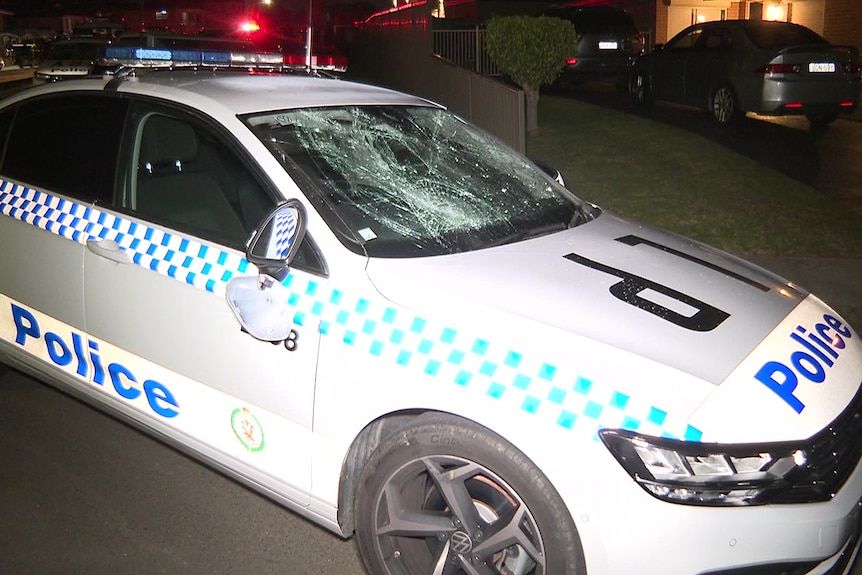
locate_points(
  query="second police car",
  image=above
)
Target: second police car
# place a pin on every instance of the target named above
(353, 301)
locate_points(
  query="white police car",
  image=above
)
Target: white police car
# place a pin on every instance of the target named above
(359, 305)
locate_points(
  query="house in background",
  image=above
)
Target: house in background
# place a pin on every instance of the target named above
(839, 21)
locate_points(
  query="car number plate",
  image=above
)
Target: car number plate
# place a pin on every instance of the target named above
(608, 45)
(821, 66)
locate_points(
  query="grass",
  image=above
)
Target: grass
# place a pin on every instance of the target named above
(682, 182)
(687, 184)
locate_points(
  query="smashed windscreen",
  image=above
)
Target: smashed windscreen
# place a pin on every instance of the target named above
(406, 181)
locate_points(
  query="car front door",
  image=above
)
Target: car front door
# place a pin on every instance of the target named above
(668, 70)
(154, 291)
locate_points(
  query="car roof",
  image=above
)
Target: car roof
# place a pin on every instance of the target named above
(240, 92)
(769, 33)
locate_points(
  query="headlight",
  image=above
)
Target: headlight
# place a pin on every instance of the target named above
(705, 473)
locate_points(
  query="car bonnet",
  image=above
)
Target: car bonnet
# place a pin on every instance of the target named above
(641, 292)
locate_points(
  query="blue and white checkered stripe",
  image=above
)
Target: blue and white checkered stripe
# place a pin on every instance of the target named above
(551, 390)
(554, 391)
(283, 232)
(169, 254)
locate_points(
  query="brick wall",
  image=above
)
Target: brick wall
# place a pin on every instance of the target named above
(660, 22)
(840, 21)
(736, 11)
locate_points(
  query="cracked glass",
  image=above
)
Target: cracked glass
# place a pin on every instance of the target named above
(407, 181)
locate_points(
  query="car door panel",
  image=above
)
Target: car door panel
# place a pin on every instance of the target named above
(37, 228)
(154, 287)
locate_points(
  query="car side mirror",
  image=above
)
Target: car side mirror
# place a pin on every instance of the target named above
(274, 244)
(260, 303)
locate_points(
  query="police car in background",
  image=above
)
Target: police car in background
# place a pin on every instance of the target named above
(356, 303)
(69, 59)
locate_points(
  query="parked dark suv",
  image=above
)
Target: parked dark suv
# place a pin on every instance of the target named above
(608, 41)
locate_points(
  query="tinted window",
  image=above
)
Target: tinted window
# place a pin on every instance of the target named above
(67, 144)
(6, 118)
(780, 35)
(685, 41)
(73, 51)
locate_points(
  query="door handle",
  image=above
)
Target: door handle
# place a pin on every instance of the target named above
(108, 249)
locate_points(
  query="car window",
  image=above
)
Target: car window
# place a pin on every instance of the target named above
(407, 181)
(185, 177)
(685, 41)
(780, 35)
(714, 39)
(66, 144)
(73, 50)
(184, 174)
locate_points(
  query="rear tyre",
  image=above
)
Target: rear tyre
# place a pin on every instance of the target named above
(447, 496)
(725, 106)
(640, 90)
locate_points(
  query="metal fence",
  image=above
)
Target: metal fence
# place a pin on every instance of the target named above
(465, 48)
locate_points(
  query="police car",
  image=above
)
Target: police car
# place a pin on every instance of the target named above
(69, 59)
(354, 302)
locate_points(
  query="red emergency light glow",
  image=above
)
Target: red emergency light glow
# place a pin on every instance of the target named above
(336, 63)
(793, 105)
(846, 104)
(571, 61)
(250, 26)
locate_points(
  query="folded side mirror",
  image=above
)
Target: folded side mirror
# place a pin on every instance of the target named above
(274, 244)
(260, 303)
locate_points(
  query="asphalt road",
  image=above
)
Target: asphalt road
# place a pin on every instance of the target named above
(81, 493)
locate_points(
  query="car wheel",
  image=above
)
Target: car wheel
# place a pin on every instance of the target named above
(725, 108)
(447, 496)
(640, 90)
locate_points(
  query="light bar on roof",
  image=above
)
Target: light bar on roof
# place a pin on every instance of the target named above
(328, 63)
(142, 57)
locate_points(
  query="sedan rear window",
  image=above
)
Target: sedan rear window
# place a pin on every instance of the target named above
(780, 35)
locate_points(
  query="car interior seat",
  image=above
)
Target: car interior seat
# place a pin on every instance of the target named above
(174, 187)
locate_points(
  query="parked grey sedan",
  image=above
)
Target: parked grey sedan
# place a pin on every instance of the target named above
(731, 67)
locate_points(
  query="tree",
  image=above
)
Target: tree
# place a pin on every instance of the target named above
(532, 50)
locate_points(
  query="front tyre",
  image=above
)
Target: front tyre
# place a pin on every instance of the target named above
(446, 496)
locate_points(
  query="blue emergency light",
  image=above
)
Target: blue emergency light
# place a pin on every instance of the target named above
(143, 57)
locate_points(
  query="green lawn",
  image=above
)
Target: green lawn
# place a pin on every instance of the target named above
(685, 183)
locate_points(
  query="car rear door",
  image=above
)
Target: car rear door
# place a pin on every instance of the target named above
(59, 158)
(154, 294)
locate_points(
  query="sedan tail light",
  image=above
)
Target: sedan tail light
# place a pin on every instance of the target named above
(779, 69)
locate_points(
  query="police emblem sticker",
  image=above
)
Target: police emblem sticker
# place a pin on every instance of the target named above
(247, 429)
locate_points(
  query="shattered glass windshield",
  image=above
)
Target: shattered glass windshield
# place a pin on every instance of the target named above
(407, 181)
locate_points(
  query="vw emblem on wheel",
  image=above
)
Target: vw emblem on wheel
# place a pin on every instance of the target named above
(461, 542)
